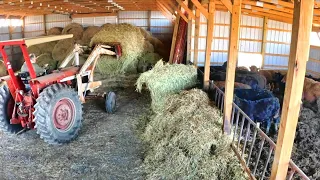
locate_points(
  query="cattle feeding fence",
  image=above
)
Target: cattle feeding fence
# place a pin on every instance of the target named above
(254, 148)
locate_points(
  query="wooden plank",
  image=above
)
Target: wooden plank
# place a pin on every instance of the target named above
(187, 9)
(201, 8)
(174, 38)
(182, 15)
(299, 54)
(209, 44)
(264, 39)
(196, 38)
(189, 37)
(228, 4)
(44, 24)
(232, 62)
(149, 21)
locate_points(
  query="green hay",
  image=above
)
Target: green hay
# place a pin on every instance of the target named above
(131, 41)
(149, 59)
(166, 79)
(75, 29)
(89, 33)
(55, 31)
(186, 141)
(3, 69)
(108, 65)
(106, 25)
(34, 49)
(46, 58)
(62, 49)
(46, 47)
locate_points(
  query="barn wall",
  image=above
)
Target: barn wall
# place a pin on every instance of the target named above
(313, 64)
(153, 21)
(13, 52)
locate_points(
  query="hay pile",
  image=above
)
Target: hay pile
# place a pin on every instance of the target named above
(166, 79)
(186, 142)
(55, 31)
(46, 58)
(75, 29)
(108, 65)
(3, 69)
(89, 33)
(62, 49)
(131, 40)
(149, 60)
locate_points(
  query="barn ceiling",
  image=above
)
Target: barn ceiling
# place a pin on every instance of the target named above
(281, 10)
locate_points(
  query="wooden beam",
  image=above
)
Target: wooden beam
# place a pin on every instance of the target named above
(174, 38)
(149, 21)
(196, 38)
(44, 24)
(232, 62)
(299, 54)
(209, 44)
(228, 4)
(92, 15)
(182, 15)
(189, 37)
(264, 40)
(201, 8)
(187, 9)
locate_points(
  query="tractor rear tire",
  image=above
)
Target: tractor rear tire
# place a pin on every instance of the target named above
(6, 109)
(58, 114)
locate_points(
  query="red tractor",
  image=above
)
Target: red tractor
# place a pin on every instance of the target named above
(51, 103)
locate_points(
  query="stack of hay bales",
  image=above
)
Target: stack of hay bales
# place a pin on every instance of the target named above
(185, 141)
(89, 33)
(62, 49)
(46, 58)
(75, 29)
(3, 69)
(166, 79)
(55, 31)
(131, 41)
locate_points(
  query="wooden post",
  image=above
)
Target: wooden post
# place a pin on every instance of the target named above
(189, 38)
(196, 38)
(232, 62)
(174, 38)
(264, 40)
(209, 45)
(149, 21)
(44, 24)
(299, 54)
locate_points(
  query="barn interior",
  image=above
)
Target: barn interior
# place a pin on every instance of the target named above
(202, 89)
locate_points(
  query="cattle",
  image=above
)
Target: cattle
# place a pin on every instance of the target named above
(260, 105)
(221, 84)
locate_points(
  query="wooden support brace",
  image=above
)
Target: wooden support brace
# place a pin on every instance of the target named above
(299, 54)
(232, 62)
(201, 8)
(209, 45)
(174, 38)
(187, 9)
(196, 38)
(228, 4)
(182, 15)
(189, 37)
(264, 40)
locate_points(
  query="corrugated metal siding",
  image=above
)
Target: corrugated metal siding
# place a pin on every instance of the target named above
(313, 64)
(160, 26)
(57, 20)
(95, 21)
(277, 45)
(34, 26)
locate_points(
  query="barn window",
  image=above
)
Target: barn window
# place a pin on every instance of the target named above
(314, 39)
(249, 59)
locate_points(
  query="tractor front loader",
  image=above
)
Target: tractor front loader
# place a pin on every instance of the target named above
(51, 103)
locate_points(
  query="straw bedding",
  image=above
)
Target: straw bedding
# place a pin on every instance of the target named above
(165, 79)
(131, 41)
(185, 141)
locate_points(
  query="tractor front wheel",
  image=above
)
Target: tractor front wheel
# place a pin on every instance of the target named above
(58, 114)
(6, 109)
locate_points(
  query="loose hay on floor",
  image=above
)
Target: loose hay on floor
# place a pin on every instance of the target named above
(185, 141)
(131, 41)
(165, 79)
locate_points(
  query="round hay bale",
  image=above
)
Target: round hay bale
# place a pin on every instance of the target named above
(131, 41)
(46, 47)
(75, 29)
(157, 44)
(146, 34)
(148, 47)
(89, 33)
(46, 58)
(55, 31)
(62, 49)
(148, 60)
(3, 69)
(34, 49)
(107, 25)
